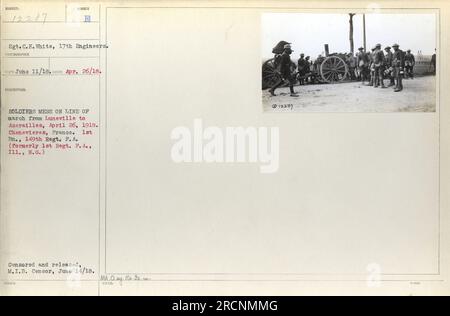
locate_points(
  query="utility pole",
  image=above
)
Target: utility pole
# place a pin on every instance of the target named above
(364, 31)
(350, 35)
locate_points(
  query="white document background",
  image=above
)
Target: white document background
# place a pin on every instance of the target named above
(352, 189)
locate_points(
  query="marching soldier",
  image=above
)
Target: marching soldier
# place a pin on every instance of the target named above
(410, 61)
(285, 71)
(397, 65)
(278, 51)
(378, 63)
(388, 66)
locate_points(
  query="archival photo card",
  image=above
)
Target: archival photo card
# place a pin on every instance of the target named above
(349, 62)
(137, 157)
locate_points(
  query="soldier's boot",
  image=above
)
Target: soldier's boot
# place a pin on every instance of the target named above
(293, 94)
(399, 85)
(391, 82)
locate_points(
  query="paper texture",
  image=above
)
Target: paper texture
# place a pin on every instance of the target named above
(122, 170)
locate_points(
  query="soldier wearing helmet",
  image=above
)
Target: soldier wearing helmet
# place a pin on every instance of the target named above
(303, 68)
(388, 65)
(372, 67)
(362, 62)
(410, 61)
(397, 65)
(378, 65)
(285, 64)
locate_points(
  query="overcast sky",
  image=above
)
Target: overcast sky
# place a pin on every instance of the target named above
(308, 32)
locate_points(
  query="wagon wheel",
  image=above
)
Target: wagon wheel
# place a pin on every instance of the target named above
(333, 69)
(270, 76)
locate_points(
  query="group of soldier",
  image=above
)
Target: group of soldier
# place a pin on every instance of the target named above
(378, 65)
(373, 67)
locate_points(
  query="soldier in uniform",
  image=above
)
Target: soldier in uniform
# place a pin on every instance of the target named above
(303, 68)
(388, 66)
(378, 65)
(410, 61)
(308, 68)
(362, 61)
(285, 71)
(351, 61)
(277, 51)
(433, 62)
(372, 67)
(397, 65)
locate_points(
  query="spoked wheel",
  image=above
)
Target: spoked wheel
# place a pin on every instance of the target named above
(270, 76)
(333, 69)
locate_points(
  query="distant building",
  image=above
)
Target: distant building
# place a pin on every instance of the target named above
(423, 65)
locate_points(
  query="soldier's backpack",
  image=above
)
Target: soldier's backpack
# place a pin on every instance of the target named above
(279, 48)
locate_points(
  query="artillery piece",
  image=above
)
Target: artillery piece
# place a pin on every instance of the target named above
(332, 68)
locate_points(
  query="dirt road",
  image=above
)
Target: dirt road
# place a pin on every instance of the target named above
(418, 95)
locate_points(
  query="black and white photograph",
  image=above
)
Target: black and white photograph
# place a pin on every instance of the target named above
(349, 62)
